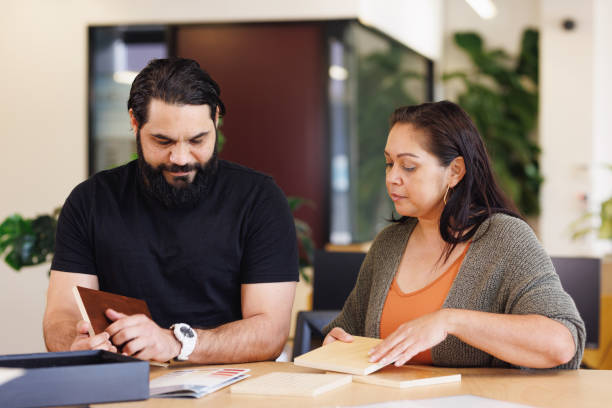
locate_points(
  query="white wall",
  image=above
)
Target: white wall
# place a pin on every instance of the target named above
(416, 23)
(43, 107)
(602, 109)
(575, 122)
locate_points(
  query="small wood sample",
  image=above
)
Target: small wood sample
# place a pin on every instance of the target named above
(350, 358)
(408, 376)
(93, 303)
(291, 384)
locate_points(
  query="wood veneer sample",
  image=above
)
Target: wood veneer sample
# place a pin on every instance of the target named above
(350, 358)
(409, 376)
(291, 384)
(93, 303)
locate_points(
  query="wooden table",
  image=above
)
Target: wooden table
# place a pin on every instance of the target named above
(579, 388)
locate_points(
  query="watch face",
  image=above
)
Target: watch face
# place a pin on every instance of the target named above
(186, 331)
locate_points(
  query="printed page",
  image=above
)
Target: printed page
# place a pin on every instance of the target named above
(195, 383)
(455, 401)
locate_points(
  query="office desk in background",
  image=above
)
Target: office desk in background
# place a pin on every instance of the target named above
(579, 388)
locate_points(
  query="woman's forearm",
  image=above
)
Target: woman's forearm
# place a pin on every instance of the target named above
(523, 340)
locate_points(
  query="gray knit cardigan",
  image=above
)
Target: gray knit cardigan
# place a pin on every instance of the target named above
(504, 271)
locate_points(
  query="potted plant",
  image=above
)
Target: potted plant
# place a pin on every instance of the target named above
(501, 95)
(583, 225)
(28, 241)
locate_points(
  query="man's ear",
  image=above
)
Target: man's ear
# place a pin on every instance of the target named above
(133, 122)
(456, 170)
(217, 117)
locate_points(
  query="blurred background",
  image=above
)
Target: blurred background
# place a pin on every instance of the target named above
(309, 87)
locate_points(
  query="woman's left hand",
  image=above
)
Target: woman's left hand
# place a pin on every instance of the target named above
(411, 338)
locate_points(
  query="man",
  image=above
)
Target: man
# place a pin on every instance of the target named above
(208, 244)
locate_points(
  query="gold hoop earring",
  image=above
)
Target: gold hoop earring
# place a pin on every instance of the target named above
(446, 194)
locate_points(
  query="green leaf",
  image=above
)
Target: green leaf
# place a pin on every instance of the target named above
(303, 234)
(605, 229)
(528, 59)
(453, 75)
(470, 42)
(12, 259)
(28, 241)
(503, 102)
(220, 137)
(296, 202)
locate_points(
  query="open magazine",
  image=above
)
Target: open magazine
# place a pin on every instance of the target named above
(194, 383)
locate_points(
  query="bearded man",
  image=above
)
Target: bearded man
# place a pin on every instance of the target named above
(208, 244)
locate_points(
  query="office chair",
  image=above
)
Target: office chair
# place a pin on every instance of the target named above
(580, 278)
(335, 274)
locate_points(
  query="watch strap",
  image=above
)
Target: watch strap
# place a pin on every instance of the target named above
(187, 337)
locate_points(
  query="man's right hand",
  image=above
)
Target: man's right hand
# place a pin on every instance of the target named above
(83, 341)
(338, 333)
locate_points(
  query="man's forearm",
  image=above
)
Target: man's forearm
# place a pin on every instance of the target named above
(256, 338)
(59, 334)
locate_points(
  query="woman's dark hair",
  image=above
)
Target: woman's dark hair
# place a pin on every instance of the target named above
(174, 80)
(450, 134)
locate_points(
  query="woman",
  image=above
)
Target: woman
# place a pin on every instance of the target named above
(460, 279)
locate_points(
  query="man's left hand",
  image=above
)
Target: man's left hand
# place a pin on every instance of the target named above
(140, 337)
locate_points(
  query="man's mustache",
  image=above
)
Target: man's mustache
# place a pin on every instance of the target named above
(175, 168)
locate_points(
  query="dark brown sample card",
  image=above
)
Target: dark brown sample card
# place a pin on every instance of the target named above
(93, 304)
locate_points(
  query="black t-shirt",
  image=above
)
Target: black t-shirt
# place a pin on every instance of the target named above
(188, 265)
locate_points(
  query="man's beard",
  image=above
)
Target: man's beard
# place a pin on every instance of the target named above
(184, 197)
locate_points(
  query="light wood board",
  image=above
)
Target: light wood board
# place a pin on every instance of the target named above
(350, 358)
(408, 376)
(291, 384)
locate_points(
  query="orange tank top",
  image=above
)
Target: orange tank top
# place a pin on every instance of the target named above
(402, 307)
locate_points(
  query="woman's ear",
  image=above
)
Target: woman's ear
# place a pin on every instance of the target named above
(217, 117)
(456, 171)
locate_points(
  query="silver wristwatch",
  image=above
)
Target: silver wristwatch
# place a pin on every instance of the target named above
(187, 336)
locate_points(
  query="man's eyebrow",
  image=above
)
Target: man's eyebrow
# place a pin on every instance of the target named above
(199, 135)
(164, 137)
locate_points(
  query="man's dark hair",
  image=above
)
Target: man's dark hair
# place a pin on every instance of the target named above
(450, 133)
(178, 81)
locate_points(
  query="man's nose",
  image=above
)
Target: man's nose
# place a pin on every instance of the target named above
(179, 155)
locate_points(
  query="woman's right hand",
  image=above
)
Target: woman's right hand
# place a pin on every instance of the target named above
(338, 333)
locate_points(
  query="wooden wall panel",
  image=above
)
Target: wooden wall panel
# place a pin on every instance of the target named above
(273, 83)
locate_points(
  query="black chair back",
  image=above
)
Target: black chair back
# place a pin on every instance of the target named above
(580, 278)
(335, 274)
